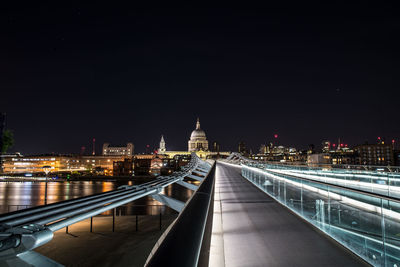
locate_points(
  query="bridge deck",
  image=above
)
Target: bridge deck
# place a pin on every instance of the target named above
(258, 231)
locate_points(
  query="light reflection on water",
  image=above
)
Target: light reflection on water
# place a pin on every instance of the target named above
(19, 195)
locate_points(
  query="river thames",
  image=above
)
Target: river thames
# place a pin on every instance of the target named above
(20, 195)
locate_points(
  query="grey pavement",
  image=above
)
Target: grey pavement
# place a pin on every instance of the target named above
(258, 231)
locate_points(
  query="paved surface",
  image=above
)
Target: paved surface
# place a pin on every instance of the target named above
(104, 248)
(252, 229)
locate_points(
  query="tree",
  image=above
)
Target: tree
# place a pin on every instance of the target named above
(8, 140)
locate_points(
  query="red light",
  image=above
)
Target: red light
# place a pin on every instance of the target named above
(345, 145)
(275, 135)
(148, 146)
(379, 138)
(333, 145)
(341, 145)
(393, 141)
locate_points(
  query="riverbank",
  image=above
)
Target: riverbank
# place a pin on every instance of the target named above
(102, 247)
(80, 178)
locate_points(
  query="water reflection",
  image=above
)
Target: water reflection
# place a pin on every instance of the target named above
(20, 195)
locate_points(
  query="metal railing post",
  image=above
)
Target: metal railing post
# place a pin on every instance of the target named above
(91, 224)
(160, 221)
(113, 225)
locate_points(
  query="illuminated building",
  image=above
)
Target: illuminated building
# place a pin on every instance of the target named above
(60, 163)
(117, 150)
(21, 164)
(123, 168)
(198, 140)
(198, 143)
(319, 158)
(162, 148)
(375, 154)
(154, 164)
(263, 149)
(279, 153)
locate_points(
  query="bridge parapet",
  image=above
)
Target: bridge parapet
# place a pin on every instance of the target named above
(368, 178)
(367, 223)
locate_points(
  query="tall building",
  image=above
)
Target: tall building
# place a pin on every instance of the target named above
(242, 148)
(263, 149)
(215, 147)
(117, 150)
(198, 140)
(162, 148)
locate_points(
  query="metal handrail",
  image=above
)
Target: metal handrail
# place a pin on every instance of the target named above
(371, 194)
(178, 246)
(315, 165)
(24, 230)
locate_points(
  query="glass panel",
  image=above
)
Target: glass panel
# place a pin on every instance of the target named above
(366, 224)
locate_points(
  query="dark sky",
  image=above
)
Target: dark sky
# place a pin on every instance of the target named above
(118, 73)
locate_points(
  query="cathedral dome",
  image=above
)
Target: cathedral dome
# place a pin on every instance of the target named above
(198, 140)
(197, 133)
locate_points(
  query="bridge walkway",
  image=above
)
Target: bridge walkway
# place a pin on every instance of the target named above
(252, 229)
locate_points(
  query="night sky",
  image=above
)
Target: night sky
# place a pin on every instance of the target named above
(118, 73)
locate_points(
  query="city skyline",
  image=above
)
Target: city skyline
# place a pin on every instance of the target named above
(73, 73)
(151, 147)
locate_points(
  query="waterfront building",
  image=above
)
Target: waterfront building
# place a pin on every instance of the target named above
(375, 154)
(117, 150)
(60, 163)
(155, 164)
(123, 168)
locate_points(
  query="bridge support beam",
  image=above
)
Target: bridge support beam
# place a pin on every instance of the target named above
(170, 202)
(188, 185)
(201, 172)
(198, 178)
(31, 259)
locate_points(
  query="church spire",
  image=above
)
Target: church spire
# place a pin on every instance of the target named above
(198, 124)
(162, 148)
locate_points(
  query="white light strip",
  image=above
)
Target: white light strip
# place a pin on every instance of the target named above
(352, 202)
(343, 182)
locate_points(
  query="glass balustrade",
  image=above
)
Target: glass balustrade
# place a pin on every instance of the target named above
(378, 182)
(367, 224)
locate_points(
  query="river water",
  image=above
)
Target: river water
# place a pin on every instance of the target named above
(20, 195)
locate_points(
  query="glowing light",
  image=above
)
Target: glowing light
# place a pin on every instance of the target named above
(275, 135)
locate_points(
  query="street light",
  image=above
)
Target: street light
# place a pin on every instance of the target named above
(46, 170)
